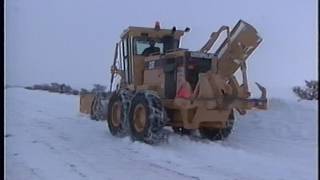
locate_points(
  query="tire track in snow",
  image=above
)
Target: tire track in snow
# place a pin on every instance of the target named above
(174, 171)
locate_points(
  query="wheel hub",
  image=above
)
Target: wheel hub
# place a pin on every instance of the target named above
(116, 114)
(139, 118)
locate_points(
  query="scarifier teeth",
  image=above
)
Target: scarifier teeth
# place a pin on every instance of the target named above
(263, 91)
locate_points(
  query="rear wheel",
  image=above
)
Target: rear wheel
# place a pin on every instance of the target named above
(218, 134)
(147, 118)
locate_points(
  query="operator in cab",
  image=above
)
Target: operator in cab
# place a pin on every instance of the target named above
(151, 49)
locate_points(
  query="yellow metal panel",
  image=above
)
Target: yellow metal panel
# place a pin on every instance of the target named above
(85, 103)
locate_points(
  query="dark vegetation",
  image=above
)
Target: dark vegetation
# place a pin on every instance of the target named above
(308, 92)
(66, 89)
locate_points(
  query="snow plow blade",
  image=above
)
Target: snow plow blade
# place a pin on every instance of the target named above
(86, 101)
(94, 104)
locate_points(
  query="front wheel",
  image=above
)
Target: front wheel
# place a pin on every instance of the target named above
(118, 106)
(147, 117)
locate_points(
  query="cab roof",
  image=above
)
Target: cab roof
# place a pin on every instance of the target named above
(150, 32)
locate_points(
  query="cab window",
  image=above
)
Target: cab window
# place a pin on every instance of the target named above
(141, 45)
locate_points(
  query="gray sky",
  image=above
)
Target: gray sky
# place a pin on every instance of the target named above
(72, 41)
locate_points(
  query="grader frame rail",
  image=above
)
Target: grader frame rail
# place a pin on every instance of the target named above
(187, 90)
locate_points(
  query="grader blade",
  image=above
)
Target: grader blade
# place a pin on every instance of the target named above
(86, 101)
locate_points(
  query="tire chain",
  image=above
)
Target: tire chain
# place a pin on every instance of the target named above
(126, 97)
(228, 130)
(158, 119)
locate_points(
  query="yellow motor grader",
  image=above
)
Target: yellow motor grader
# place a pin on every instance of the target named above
(162, 84)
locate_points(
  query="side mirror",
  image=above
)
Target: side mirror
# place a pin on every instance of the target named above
(187, 29)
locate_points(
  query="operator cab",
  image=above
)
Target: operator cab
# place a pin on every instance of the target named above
(163, 45)
(135, 40)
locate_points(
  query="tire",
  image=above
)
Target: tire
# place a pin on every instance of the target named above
(147, 117)
(215, 134)
(117, 114)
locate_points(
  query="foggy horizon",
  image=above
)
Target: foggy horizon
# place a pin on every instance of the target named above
(72, 42)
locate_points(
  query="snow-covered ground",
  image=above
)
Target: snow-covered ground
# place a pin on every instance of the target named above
(47, 138)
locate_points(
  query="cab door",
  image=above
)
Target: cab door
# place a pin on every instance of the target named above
(125, 60)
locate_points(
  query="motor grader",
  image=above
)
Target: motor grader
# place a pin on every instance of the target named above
(189, 91)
